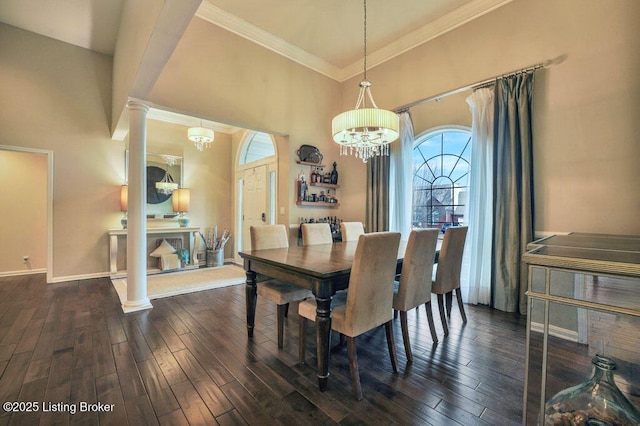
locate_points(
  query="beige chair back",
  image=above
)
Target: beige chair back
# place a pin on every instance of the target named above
(450, 260)
(268, 237)
(316, 233)
(351, 230)
(370, 295)
(417, 269)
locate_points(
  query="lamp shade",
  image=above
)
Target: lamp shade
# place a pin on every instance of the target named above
(200, 134)
(373, 125)
(124, 198)
(201, 137)
(181, 199)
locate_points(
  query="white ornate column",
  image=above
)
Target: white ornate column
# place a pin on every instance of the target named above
(137, 298)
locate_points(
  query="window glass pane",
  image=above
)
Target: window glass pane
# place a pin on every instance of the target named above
(258, 146)
(272, 198)
(440, 178)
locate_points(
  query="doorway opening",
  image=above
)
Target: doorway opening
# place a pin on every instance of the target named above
(256, 177)
(35, 238)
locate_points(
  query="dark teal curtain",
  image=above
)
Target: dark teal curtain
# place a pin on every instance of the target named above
(377, 215)
(513, 190)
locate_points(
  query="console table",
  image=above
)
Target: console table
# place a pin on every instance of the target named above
(191, 240)
(610, 269)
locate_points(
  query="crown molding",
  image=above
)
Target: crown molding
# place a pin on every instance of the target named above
(427, 32)
(240, 27)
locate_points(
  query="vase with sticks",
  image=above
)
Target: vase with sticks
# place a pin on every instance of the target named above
(215, 245)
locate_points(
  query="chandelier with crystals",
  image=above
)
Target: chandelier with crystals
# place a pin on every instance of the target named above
(365, 131)
(202, 137)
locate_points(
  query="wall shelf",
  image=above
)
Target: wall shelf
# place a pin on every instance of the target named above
(310, 184)
(325, 185)
(306, 163)
(317, 204)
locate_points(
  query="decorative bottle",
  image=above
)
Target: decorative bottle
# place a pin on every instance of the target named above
(334, 174)
(302, 186)
(598, 401)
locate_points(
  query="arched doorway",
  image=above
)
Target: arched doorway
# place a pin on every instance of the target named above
(256, 177)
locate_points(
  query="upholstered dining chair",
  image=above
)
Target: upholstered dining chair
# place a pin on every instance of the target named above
(350, 231)
(268, 237)
(316, 233)
(414, 287)
(447, 275)
(368, 303)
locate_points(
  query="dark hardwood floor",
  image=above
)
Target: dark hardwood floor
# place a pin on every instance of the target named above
(189, 361)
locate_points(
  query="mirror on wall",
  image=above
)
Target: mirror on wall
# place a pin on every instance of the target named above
(160, 167)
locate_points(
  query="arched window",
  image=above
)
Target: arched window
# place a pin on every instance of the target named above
(441, 168)
(258, 146)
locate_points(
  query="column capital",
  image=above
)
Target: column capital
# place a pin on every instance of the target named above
(135, 104)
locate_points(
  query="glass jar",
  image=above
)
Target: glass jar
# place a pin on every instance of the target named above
(598, 401)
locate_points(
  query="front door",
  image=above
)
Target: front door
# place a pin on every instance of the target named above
(255, 201)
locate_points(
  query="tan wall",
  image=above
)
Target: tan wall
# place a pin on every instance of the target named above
(61, 107)
(586, 107)
(220, 76)
(23, 209)
(57, 97)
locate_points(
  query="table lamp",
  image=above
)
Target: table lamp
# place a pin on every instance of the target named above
(181, 199)
(124, 204)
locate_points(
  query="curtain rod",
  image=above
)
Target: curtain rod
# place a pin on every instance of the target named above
(473, 86)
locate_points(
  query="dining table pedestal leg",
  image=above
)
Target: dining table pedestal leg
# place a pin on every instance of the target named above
(323, 339)
(251, 297)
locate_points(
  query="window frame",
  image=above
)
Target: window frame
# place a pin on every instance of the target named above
(454, 211)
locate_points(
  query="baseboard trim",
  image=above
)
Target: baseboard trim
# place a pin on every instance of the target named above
(556, 331)
(18, 273)
(55, 280)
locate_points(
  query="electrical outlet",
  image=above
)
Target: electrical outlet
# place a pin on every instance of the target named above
(25, 259)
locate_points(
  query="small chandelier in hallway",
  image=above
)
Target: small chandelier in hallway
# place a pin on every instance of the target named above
(202, 137)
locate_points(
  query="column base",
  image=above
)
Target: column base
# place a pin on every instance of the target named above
(137, 305)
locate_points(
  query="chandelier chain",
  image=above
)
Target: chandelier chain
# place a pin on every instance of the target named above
(365, 132)
(365, 39)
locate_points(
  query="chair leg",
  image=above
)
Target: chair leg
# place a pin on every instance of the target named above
(442, 316)
(356, 388)
(281, 314)
(388, 326)
(432, 325)
(448, 297)
(405, 336)
(460, 305)
(395, 314)
(301, 341)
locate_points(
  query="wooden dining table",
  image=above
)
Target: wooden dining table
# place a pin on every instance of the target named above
(323, 268)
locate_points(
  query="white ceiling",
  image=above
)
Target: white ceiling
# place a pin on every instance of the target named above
(324, 35)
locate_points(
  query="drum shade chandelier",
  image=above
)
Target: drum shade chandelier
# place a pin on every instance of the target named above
(365, 131)
(200, 136)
